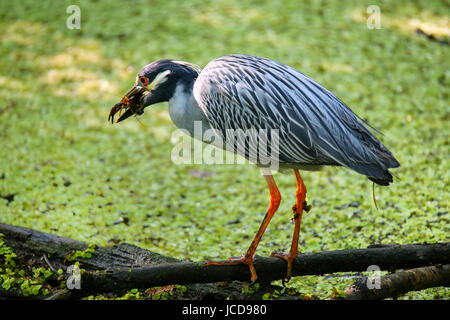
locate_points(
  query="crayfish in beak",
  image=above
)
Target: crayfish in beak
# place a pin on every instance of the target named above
(130, 103)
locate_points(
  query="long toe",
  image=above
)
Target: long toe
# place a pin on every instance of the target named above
(289, 260)
(248, 261)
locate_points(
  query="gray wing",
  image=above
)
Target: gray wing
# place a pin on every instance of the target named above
(316, 128)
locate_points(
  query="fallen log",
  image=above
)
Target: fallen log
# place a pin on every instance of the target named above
(396, 284)
(124, 267)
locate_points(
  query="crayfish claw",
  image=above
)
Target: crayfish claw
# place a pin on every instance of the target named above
(114, 110)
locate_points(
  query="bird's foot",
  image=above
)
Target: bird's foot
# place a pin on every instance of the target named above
(289, 258)
(244, 259)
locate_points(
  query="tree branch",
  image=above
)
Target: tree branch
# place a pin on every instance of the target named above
(394, 285)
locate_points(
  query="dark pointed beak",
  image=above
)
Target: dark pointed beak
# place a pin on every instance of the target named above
(130, 102)
(125, 115)
(137, 89)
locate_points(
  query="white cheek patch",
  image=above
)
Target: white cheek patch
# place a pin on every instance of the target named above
(160, 78)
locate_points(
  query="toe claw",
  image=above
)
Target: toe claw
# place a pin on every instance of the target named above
(289, 260)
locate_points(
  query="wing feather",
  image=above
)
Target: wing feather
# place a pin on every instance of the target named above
(316, 128)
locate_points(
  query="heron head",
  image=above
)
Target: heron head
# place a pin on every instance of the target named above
(155, 83)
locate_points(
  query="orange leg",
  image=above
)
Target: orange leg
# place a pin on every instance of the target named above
(247, 258)
(297, 209)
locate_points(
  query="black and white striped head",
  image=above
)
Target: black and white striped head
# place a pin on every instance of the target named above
(157, 82)
(163, 76)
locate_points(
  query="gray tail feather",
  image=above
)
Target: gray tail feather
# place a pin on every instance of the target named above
(383, 176)
(379, 173)
(385, 181)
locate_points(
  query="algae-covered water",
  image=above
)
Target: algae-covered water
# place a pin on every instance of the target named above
(67, 171)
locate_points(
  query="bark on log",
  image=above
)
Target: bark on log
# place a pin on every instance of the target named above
(127, 267)
(394, 285)
(31, 245)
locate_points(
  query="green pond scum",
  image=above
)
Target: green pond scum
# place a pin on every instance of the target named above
(76, 254)
(65, 170)
(28, 280)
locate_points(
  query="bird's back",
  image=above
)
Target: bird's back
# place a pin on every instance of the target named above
(315, 127)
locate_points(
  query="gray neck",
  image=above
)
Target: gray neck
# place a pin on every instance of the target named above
(184, 110)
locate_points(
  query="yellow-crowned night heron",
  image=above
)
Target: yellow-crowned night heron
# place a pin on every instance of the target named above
(242, 92)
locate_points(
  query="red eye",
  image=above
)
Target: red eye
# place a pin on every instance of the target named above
(144, 80)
